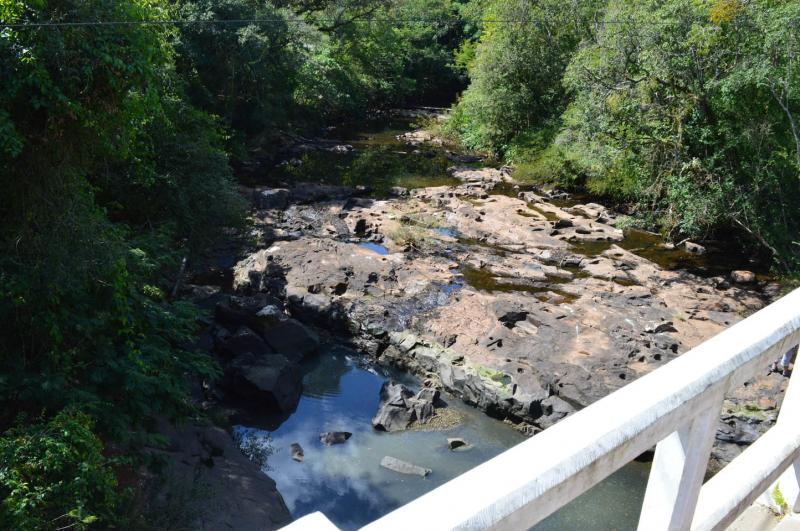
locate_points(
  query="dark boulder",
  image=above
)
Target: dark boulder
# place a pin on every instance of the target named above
(293, 339)
(259, 312)
(694, 248)
(271, 380)
(243, 341)
(271, 198)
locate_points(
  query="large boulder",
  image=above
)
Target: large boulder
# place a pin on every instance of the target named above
(271, 198)
(271, 380)
(243, 341)
(260, 312)
(293, 339)
(393, 413)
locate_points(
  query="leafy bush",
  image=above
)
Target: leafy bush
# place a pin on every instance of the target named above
(53, 475)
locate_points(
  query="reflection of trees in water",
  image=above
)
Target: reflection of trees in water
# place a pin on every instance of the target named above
(255, 444)
(379, 167)
(324, 372)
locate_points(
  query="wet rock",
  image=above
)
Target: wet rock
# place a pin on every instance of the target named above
(271, 198)
(694, 248)
(297, 452)
(394, 411)
(270, 381)
(329, 438)
(456, 443)
(743, 277)
(404, 467)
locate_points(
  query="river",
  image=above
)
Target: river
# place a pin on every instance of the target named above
(341, 391)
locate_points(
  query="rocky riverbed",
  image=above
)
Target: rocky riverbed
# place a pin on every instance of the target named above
(525, 305)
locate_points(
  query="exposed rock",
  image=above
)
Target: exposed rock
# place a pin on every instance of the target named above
(329, 438)
(271, 381)
(399, 407)
(243, 341)
(271, 198)
(420, 136)
(480, 293)
(743, 277)
(563, 223)
(694, 248)
(297, 452)
(292, 339)
(394, 412)
(218, 486)
(404, 467)
(456, 443)
(260, 312)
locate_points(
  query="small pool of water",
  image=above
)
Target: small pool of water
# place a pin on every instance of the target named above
(374, 247)
(484, 280)
(446, 231)
(347, 483)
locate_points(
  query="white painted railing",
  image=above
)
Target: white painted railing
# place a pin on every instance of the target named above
(675, 408)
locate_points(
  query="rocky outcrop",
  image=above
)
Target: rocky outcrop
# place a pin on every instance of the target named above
(510, 300)
(212, 483)
(399, 407)
(260, 348)
(269, 380)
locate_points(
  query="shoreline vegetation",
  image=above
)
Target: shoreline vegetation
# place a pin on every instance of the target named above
(122, 145)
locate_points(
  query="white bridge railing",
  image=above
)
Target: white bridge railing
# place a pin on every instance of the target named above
(674, 408)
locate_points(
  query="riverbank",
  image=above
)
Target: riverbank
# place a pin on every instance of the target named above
(526, 306)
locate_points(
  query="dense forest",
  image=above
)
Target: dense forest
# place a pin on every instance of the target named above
(122, 123)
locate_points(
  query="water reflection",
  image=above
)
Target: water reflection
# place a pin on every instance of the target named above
(346, 481)
(379, 161)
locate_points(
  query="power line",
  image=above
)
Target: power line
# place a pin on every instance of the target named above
(185, 22)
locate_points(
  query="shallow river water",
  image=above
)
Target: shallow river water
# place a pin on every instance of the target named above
(346, 481)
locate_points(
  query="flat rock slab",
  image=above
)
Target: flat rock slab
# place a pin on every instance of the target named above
(404, 467)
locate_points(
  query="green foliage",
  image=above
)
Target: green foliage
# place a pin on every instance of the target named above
(686, 108)
(115, 144)
(515, 74)
(53, 475)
